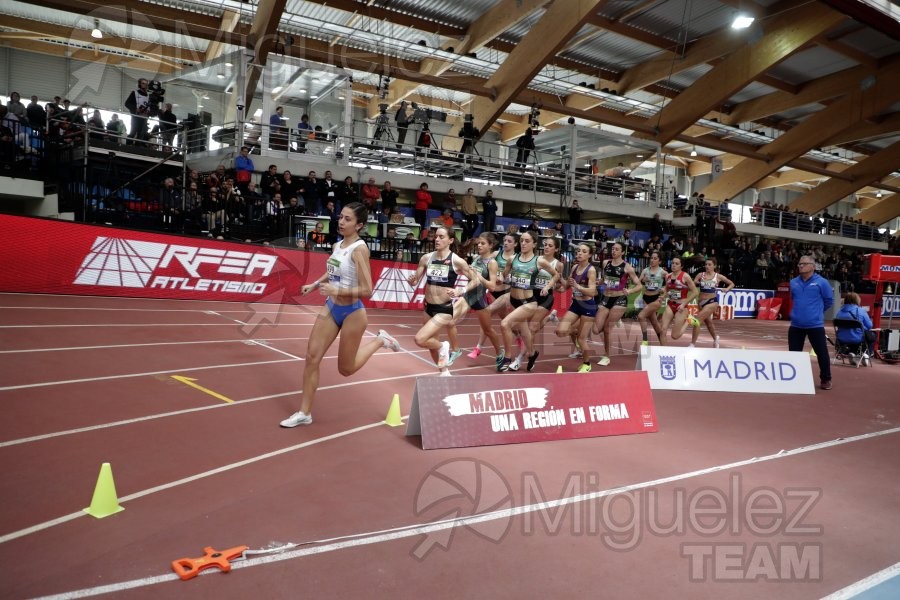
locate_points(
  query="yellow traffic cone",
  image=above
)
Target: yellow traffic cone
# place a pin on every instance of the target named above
(393, 416)
(559, 369)
(105, 502)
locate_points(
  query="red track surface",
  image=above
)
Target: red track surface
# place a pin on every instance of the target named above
(192, 471)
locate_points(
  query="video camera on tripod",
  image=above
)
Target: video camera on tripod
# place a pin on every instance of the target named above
(382, 123)
(157, 94)
(421, 115)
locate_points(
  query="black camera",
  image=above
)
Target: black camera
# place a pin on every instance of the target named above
(156, 96)
(383, 108)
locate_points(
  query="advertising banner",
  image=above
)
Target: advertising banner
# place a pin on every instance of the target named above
(727, 370)
(482, 410)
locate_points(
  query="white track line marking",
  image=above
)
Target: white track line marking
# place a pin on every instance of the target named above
(111, 346)
(96, 325)
(863, 585)
(411, 530)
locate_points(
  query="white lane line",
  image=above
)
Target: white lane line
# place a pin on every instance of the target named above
(113, 346)
(263, 344)
(411, 530)
(95, 325)
(185, 411)
(145, 374)
(863, 585)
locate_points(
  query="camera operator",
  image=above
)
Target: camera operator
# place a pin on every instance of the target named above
(138, 104)
(402, 119)
(468, 133)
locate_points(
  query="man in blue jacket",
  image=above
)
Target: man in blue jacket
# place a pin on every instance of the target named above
(812, 296)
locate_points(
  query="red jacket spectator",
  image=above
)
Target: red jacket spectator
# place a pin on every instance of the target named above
(423, 198)
(371, 195)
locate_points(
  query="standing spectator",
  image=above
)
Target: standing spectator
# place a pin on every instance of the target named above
(370, 195)
(304, 132)
(656, 227)
(575, 212)
(423, 203)
(243, 169)
(138, 104)
(270, 182)
(402, 119)
(277, 130)
(388, 197)
(37, 116)
(489, 210)
(115, 128)
(334, 216)
(171, 205)
(328, 190)
(525, 145)
(168, 127)
(310, 190)
(15, 107)
(811, 296)
(470, 214)
(289, 187)
(96, 126)
(450, 200)
(348, 193)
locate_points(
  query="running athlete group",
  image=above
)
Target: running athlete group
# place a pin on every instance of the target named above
(515, 283)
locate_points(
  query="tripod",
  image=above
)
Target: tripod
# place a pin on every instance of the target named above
(382, 128)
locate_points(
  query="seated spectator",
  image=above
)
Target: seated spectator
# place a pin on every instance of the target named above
(852, 310)
(317, 236)
(617, 171)
(446, 219)
(115, 129)
(450, 201)
(534, 226)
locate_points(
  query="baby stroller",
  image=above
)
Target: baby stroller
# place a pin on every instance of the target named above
(857, 353)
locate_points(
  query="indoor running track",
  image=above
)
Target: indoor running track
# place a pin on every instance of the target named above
(200, 461)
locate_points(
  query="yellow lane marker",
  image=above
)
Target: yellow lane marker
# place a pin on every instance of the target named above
(190, 381)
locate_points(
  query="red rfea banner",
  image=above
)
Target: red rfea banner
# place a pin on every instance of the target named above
(484, 410)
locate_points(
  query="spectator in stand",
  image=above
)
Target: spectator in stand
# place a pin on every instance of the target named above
(270, 182)
(277, 131)
(304, 132)
(470, 215)
(575, 212)
(328, 190)
(115, 129)
(170, 202)
(371, 195)
(334, 216)
(36, 115)
(168, 127)
(138, 104)
(348, 193)
(657, 228)
(317, 238)
(489, 211)
(96, 127)
(235, 208)
(290, 187)
(8, 148)
(423, 203)
(446, 219)
(388, 197)
(309, 188)
(450, 200)
(535, 226)
(384, 216)
(243, 169)
(15, 107)
(618, 171)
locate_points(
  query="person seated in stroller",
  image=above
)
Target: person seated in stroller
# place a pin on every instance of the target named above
(853, 342)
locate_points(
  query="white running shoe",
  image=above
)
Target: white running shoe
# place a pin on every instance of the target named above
(388, 340)
(716, 342)
(576, 354)
(445, 373)
(443, 355)
(553, 316)
(298, 418)
(515, 365)
(690, 345)
(604, 361)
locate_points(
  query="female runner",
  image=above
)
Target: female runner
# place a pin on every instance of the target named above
(440, 268)
(501, 293)
(680, 291)
(654, 280)
(616, 274)
(708, 282)
(550, 246)
(483, 272)
(580, 316)
(347, 280)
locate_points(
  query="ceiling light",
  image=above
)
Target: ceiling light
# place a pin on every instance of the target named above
(229, 65)
(96, 33)
(302, 91)
(220, 75)
(742, 21)
(694, 151)
(313, 97)
(878, 194)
